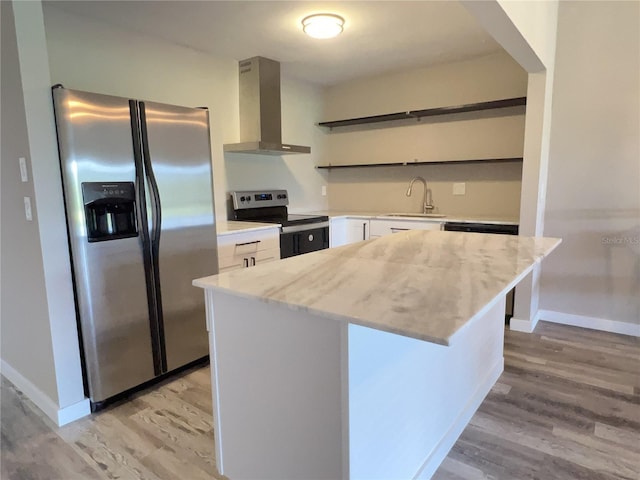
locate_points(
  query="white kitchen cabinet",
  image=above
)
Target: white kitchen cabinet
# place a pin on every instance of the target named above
(383, 226)
(246, 249)
(343, 231)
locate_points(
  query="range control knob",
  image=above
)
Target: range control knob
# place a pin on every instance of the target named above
(284, 195)
(248, 199)
(242, 199)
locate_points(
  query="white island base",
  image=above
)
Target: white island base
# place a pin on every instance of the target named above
(301, 396)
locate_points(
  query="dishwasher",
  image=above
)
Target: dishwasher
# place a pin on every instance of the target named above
(501, 229)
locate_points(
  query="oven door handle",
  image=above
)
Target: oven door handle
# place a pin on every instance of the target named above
(296, 244)
(303, 227)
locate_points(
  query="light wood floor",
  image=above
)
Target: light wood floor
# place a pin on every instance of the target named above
(567, 407)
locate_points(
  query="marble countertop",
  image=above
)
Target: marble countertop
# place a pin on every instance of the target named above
(421, 284)
(228, 227)
(489, 219)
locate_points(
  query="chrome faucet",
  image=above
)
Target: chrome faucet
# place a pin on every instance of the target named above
(425, 205)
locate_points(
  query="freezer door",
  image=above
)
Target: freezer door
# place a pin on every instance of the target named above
(179, 153)
(95, 145)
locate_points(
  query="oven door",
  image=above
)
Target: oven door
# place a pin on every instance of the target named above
(303, 240)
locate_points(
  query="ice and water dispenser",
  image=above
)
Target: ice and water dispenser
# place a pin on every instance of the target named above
(110, 210)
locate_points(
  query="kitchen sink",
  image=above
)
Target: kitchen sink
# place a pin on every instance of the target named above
(421, 215)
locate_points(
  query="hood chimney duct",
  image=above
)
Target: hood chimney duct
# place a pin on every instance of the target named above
(260, 110)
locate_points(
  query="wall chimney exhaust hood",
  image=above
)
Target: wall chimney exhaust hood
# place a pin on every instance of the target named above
(260, 110)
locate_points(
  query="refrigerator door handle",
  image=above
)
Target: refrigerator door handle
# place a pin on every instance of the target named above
(156, 222)
(144, 233)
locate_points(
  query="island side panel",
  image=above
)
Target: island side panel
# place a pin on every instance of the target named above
(279, 395)
(409, 400)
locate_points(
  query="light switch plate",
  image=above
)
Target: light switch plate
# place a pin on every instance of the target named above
(324, 190)
(459, 188)
(23, 169)
(27, 208)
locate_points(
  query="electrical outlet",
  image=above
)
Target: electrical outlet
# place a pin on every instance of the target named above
(459, 188)
(324, 190)
(23, 169)
(27, 208)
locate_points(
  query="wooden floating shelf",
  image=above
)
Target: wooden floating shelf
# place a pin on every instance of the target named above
(433, 162)
(429, 112)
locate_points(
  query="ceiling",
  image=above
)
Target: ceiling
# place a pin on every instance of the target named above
(379, 36)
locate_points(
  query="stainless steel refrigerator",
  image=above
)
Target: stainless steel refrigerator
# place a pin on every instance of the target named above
(138, 194)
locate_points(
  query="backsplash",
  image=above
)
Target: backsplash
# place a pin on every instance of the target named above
(491, 188)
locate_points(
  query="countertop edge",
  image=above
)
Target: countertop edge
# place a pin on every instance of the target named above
(444, 339)
(249, 228)
(510, 286)
(459, 219)
(322, 313)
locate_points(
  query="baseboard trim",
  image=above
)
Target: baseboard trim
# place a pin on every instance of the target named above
(594, 323)
(440, 452)
(60, 416)
(526, 326)
(74, 412)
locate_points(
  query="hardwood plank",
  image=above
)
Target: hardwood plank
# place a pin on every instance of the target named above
(571, 373)
(165, 463)
(572, 410)
(566, 407)
(569, 450)
(625, 439)
(452, 469)
(29, 448)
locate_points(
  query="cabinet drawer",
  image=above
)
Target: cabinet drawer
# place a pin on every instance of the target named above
(246, 243)
(236, 262)
(383, 227)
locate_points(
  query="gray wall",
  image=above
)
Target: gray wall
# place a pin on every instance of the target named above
(88, 55)
(593, 197)
(492, 189)
(25, 329)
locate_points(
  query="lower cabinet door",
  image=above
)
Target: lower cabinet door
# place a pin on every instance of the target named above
(233, 262)
(236, 262)
(357, 230)
(265, 256)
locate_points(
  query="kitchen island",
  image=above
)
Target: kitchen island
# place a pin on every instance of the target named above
(364, 361)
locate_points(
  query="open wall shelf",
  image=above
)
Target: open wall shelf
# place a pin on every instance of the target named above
(433, 162)
(429, 112)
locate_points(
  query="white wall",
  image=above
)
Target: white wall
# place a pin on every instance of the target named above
(536, 21)
(301, 110)
(39, 336)
(527, 30)
(593, 198)
(25, 335)
(67, 402)
(493, 189)
(89, 55)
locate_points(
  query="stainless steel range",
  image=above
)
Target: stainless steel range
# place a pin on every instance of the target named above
(299, 233)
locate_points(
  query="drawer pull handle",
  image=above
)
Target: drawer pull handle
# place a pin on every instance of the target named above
(247, 243)
(246, 262)
(393, 229)
(253, 261)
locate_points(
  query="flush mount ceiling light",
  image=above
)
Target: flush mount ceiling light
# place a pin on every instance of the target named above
(323, 25)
